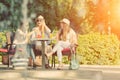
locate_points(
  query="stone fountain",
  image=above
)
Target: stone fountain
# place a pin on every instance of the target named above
(20, 61)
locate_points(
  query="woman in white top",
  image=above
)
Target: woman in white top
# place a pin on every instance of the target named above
(41, 31)
(66, 37)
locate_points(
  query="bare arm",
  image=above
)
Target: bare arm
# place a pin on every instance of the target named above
(47, 29)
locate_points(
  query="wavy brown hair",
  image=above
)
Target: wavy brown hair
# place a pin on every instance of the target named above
(63, 33)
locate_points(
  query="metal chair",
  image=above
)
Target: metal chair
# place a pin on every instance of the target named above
(9, 48)
(65, 52)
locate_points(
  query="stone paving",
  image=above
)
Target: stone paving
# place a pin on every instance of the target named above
(85, 72)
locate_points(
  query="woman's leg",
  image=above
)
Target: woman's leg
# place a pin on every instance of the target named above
(59, 55)
(55, 48)
(32, 52)
(58, 48)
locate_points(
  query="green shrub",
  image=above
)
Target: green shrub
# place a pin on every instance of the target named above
(2, 38)
(101, 49)
(53, 36)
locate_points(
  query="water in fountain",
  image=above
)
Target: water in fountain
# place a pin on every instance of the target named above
(20, 59)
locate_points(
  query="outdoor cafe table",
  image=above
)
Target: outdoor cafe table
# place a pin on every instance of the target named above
(43, 40)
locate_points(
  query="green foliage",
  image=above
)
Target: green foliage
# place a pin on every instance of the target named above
(83, 14)
(53, 10)
(95, 48)
(11, 13)
(53, 36)
(86, 27)
(2, 39)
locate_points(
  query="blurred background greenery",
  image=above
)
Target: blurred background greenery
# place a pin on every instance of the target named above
(85, 15)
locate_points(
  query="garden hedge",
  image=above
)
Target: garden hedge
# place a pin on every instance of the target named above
(98, 49)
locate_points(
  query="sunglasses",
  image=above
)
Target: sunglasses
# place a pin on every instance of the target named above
(38, 20)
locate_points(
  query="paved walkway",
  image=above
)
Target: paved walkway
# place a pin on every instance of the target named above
(85, 72)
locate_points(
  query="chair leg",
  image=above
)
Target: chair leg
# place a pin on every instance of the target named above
(48, 62)
(53, 60)
(8, 60)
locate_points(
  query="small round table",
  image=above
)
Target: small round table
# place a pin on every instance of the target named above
(43, 40)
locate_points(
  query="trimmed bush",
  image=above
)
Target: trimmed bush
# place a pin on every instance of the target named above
(2, 40)
(100, 49)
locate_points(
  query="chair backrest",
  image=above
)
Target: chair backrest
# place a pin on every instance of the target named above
(10, 39)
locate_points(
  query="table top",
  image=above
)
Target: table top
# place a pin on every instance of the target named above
(42, 39)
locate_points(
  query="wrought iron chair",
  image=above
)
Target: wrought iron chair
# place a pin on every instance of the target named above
(9, 48)
(65, 52)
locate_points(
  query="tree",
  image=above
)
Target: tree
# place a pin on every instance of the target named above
(79, 12)
(10, 11)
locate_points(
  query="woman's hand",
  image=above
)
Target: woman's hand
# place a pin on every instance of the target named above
(73, 45)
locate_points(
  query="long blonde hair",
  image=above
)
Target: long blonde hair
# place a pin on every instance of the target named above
(42, 27)
(63, 33)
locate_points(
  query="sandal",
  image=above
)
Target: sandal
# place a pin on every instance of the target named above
(60, 67)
